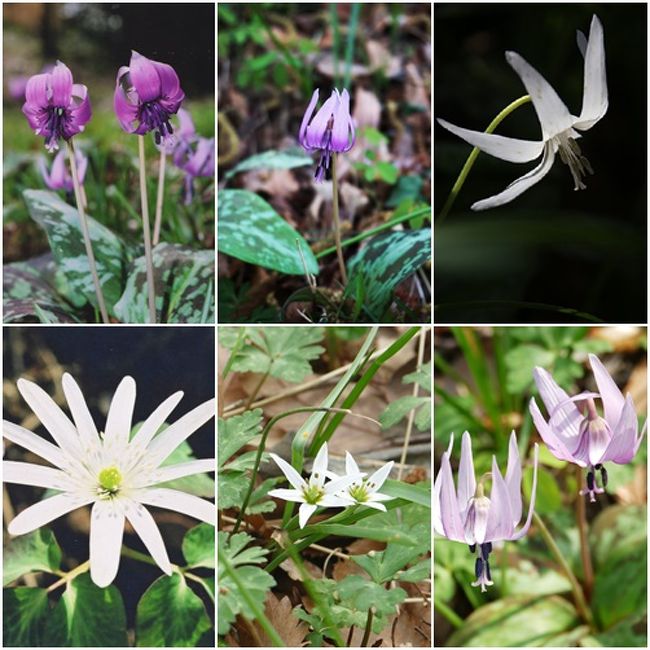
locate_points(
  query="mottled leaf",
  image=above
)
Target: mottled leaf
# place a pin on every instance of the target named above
(252, 231)
(287, 159)
(198, 546)
(36, 551)
(24, 612)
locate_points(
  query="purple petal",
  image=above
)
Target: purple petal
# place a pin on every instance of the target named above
(45, 174)
(437, 522)
(613, 400)
(186, 127)
(125, 111)
(340, 137)
(306, 117)
(61, 80)
(144, 77)
(36, 92)
(499, 525)
(82, 166)
(450, 519)
(513, 479)
(80, 112)
(531, 507)
(466, 480)
(60, 174)
(201, 162)
(170, 85)
(622, 446)
(317, 130)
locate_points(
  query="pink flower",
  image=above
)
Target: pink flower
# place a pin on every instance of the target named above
(58, 177)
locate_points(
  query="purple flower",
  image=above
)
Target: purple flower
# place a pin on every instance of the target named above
(575, 432)
(147, 94)
(331, 130)
(58, 177)
(466, 515)
(55, 107)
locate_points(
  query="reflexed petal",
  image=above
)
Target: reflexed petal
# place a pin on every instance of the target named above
(287, 495)
(377, 479)
(554, 443)
(452, 524)
(552, 112)
(531, 507)
(340, 126)
(76, 402)
(170, 85)
(106, 532)
(466, 479)
(305, 511)
(292, 475)
(36, 91)
(499, 146)
(29, 440)
(44, 512)
(125, 111)
(611, 396)
(186, 127)
(201, 163)
(594, 99)
(437, 521)
(36, 475)
(306, 117)
(316, 131)
(80, 112)
(144, 77)
(520, 185)
(581, 40)
(622, 447)
(173, 472)
(58, 180)
(319, 467)
(120, 413)
(153, 423)
(61, 80)
(178, 501)
(513, 479)
(147, 530)
(499, 524)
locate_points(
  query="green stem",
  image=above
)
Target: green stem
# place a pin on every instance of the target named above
(140, 557)
(337, 222)
(366, 632)
(448, 613)
(349, 46)
(464, 172)
(578, 594)
(70, 576)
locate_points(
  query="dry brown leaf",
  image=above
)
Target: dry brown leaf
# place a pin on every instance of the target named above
(415, 89)
(622, 338)
(327, 68)
(380, 58)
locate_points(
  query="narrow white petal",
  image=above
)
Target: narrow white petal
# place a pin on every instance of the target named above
(83, 420)
(287, 495)
(377, 479)
(319, 467)
(335, 501)
(378, 496)
(120, 412)
(499, 146)
(520, 185)
(552, 112)
(351, 466)
(178, 501)
(37, 475)
(594, 98)
(374, 504)
(172, 472)
(106, 532)
(165, 443)
(151, 425)
(292, 475)
(341, 483)
(29, 440)
(44, 512)
(53, 418)
(146, 528)
(305, 511)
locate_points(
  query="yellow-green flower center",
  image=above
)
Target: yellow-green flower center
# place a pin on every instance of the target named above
(312, 494)
(110, 481)
(359, 492)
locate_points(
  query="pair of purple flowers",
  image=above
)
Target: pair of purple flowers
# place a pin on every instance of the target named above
(574, 432)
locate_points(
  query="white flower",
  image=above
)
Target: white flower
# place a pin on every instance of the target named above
(364, 491)
(115, 474)
(558, 125)
(316, 492)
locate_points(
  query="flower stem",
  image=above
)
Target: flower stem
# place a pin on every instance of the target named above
(86, 233)
(585, 554)
(337, 222)
(69, 576)
(464, 172)
(578, 594)
(144, 202)
(159, 197)
(448, 613)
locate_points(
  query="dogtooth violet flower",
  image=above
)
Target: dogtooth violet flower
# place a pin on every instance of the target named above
(58, 177)
(365, 491)
(147, 94)
(331, 130)
(559, 133)
(315, 492)
(55, 107)
(467, 515)
(114, 472)
(575, 432)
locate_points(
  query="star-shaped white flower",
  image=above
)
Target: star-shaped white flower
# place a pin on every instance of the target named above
(315, 493)
(558, 125)
(116, 475)
(365, 491)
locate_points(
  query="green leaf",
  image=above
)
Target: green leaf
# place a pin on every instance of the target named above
(382, 566)
(520, 363)
(374, 136)
(170, 614)
(287, 159)
(394, 412)
(386, 261)
(25, 612)
(63, 229)
(416, 573)
(387, 172)
(184, 287)
(232, 489)
(88, 616)
(235, 432)
(421, 377)
(252, 231)
(37, 551)
(549, 497)
(407, 188)
(198, 546)
(419, 494)
(365, 531)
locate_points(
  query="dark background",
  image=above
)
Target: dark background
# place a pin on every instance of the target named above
(582, 250)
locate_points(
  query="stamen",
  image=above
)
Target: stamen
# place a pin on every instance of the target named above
(570, 155)
(603, 476)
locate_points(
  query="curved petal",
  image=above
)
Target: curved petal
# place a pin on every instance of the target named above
(306, 117)
(44, 512)
(594, 99)
(179, 470)
(611, 396)
(36, 94)
(520, 185)
(317, 130)
(335, 501)
(341, 483)
(287, 495)
(79, 409)
(34, 443)
(60, 179)
(290, 472)
(378, 478)
(437, 484)
(152, 424)
(185, 129)
(61, 80)
(351, 466)
(341, 123)
(82, 166)
(499, 523)
(555, 445)
(622, 447)
(170, 84)
(305, 511)
(45, 174)
(36, 475)
(80, 112)
(144, 77)
(375, 505)
(125, 111)
(147, 530)
(120, 413)
(466, 479)
(513, 479)
(531, 507)
(499, 146)
(552, 112)
(106, 532)
(319, 467)
(178, 501)
(450, 519)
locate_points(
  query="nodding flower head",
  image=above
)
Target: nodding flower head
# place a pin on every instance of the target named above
(331, 130)
(58, 177)
(55, 107)
(147, 94)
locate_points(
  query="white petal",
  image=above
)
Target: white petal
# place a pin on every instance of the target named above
(319, 467)
(37, 475)
(305, 511)
(151, 425)
(594, 99)
(178, 501)
(552, 112)
(287, 495)
(290, 472)
(145, 526)
(165, 443)
(520, 185)
(374, 504)
(499, 146)
(351, 466)
(44, 512)
(120, 413)
(53, 418)
(378, 496)
(80, 413)
(172, 472)
(341, 483)
(106, 532)
(377, 479)
(29, 440)
(335, 501)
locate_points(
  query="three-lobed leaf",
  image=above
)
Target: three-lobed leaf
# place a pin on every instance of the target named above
(36, 551)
